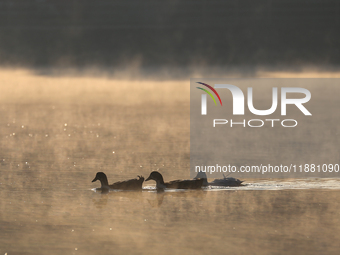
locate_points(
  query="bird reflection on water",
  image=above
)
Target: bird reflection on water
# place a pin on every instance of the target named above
(153, 196)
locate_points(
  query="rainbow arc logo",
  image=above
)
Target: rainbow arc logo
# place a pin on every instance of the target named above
(207, 91)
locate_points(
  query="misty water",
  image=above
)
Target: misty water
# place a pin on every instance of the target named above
(57, 132)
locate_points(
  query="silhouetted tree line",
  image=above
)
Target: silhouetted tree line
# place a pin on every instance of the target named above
(82, 33)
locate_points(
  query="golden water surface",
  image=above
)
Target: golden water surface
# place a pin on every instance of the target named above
(57, 132)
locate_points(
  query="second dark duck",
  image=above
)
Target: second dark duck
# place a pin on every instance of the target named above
(177, 184)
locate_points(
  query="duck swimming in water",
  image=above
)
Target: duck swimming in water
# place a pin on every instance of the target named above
(225, 182)
(177, 184)
(133, 184)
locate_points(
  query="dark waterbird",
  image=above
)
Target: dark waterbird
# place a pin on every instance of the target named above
(177, 184)
(133, 184)
(225, 182)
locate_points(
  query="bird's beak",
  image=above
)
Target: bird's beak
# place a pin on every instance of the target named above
(94, 179)
(148, 179)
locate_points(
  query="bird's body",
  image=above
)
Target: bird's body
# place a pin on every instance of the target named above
(177, 184)
(225, 182)
(133, 184)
